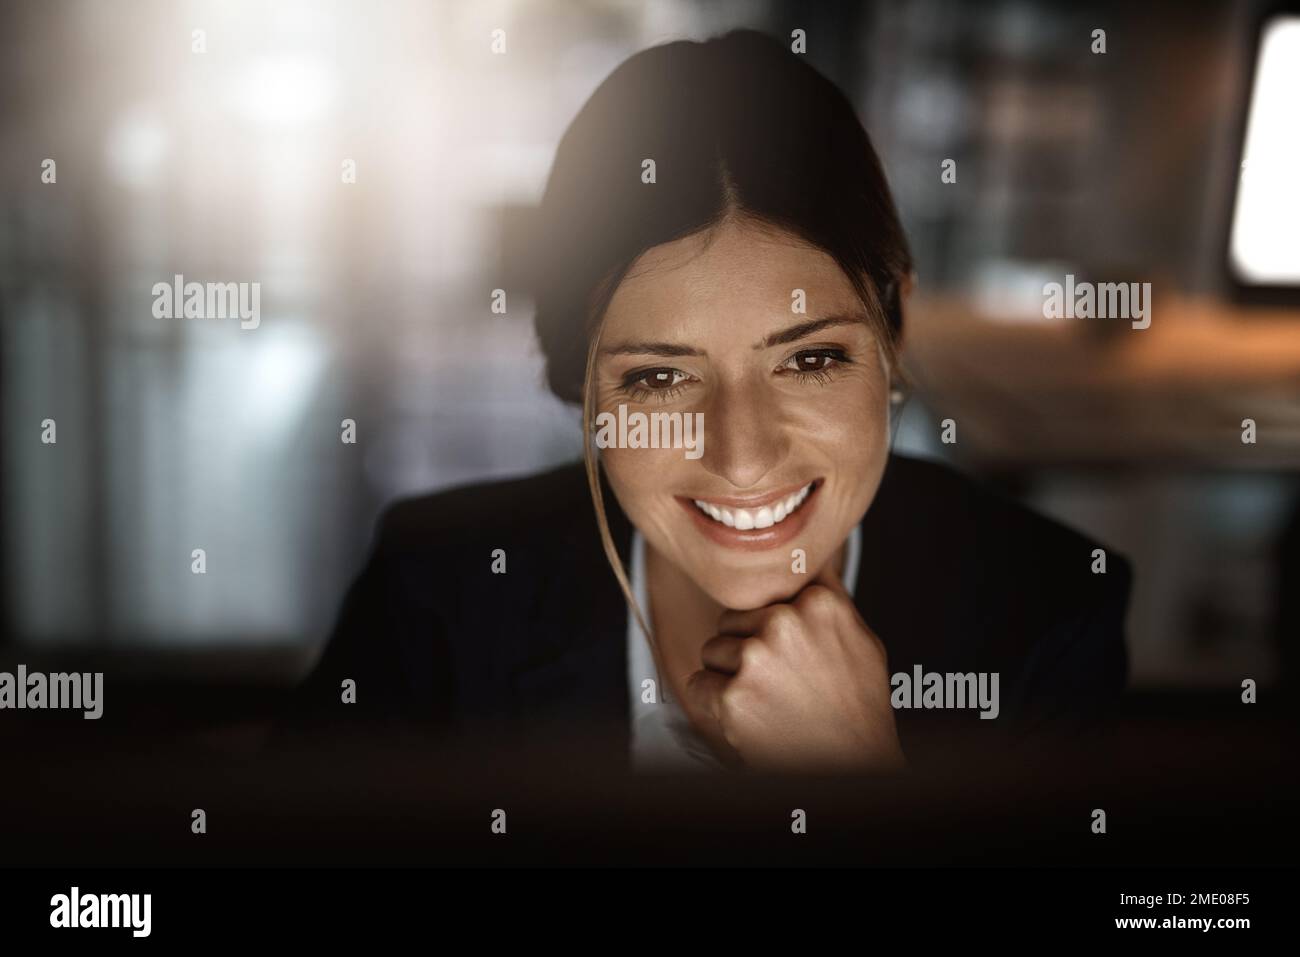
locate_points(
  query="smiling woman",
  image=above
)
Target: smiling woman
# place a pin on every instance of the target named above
(737, 607)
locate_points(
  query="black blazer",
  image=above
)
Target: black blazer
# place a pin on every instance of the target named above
(952, 577)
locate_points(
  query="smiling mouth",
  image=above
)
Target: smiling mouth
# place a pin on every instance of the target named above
(744, 519)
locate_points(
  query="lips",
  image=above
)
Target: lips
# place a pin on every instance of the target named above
(752, 523)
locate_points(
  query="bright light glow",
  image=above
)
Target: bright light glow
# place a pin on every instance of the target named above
(1265, 243)
(284, 92)
(136, 148)
(280, 377)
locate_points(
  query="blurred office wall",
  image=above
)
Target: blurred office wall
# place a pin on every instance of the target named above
(222, 155)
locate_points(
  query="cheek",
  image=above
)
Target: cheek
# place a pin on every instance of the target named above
(642, 478)
(852, 431)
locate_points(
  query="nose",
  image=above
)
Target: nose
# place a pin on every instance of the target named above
(744, 439)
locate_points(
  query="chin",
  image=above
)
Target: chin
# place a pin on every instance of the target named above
(745, 591)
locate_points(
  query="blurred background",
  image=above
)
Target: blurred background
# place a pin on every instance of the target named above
(222, 155)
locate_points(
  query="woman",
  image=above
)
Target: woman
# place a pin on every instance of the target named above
(720, 247)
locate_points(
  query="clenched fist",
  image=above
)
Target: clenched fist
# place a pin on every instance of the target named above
(802, 685)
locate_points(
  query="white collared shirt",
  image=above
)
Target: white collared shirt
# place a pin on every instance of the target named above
(662, 736)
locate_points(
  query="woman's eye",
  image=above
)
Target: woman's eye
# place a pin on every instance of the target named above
(805, 362)
(814, 361)
(655, 380)
(660, 384)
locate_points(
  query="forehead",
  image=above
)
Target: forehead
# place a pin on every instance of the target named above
(741, 272)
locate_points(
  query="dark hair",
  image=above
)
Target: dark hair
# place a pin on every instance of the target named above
(736, 125)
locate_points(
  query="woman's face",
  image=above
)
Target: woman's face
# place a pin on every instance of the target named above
(794, 405)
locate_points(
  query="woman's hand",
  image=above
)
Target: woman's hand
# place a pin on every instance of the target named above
(797, 686)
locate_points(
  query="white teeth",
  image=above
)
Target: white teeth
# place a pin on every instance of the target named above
(765, 517)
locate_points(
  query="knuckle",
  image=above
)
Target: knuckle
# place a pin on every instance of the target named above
(818, 600)
(783, 621)
(754, 655)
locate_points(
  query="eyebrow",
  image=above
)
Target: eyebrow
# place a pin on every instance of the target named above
(784, 337)
(805, 329)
